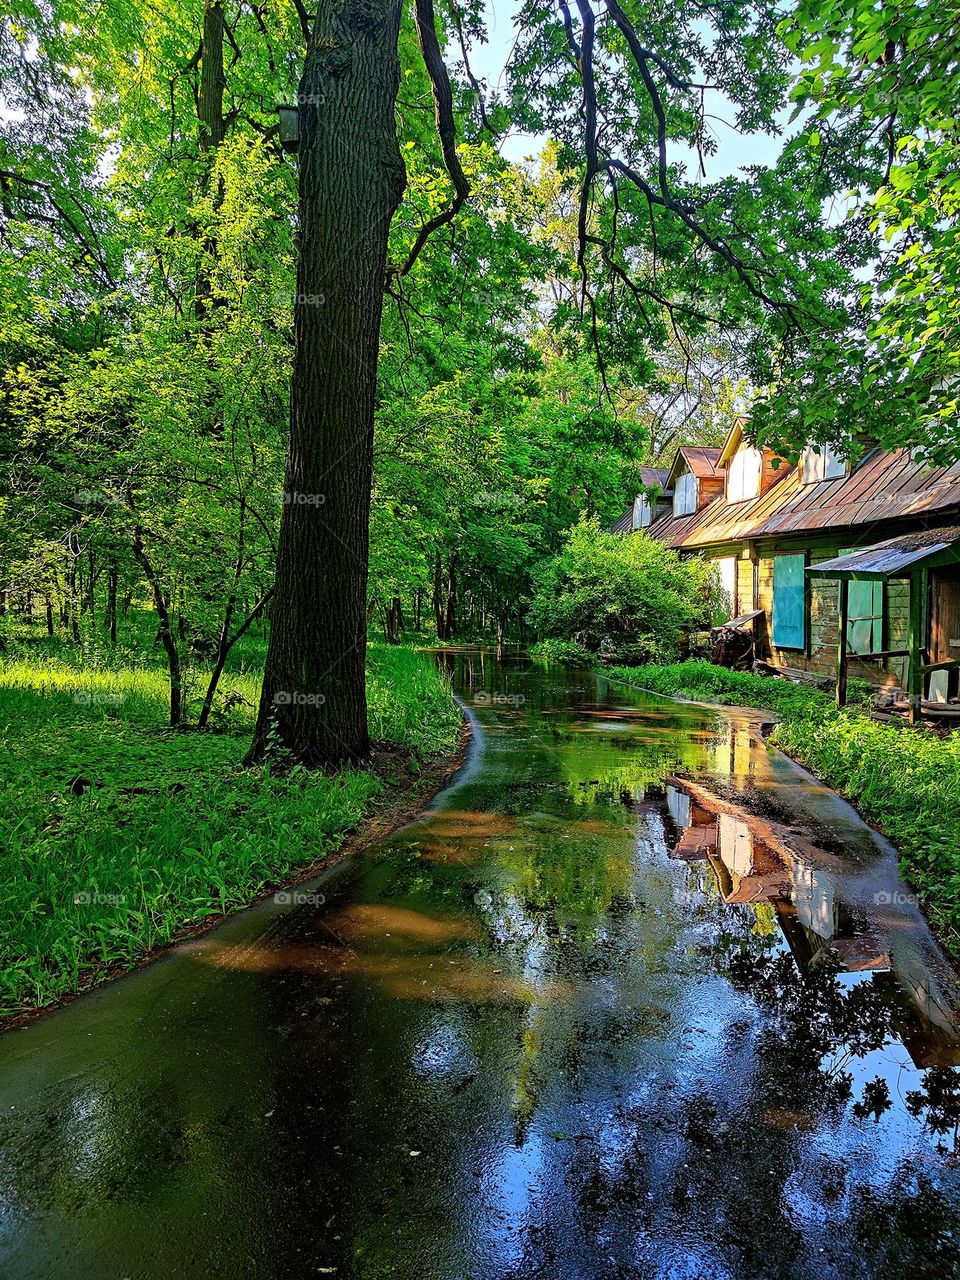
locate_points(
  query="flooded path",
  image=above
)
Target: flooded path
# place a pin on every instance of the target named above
(637, 999)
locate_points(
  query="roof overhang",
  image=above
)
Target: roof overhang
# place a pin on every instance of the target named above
(731, 444)
(679, 463)
(895, 558)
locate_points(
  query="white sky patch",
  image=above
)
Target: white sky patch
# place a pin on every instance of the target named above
(734, 151)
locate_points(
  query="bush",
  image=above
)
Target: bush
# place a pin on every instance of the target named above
(626, 596)
(564, 651)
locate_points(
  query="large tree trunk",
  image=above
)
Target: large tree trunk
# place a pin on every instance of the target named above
(351, 181)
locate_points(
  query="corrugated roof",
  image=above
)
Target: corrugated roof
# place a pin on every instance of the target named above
(887, 559)
(650, 478)
(885, 486)
(624, 523)
(701, 461)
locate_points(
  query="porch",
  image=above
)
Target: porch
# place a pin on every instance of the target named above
(930, 562)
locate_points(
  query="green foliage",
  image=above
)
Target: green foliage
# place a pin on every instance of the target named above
(565, 652)
(907, 781)
(630, 596)
(879, 87)
(116, 832)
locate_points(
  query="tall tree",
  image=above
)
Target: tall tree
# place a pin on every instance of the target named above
(351, 182)
(619, 90)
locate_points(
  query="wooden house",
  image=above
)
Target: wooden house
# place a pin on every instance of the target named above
(874, 545)
(653, 501)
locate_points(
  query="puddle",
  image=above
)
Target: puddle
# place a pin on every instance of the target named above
(637, 998)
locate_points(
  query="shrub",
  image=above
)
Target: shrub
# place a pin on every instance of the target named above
(564, 651)
(627, 596)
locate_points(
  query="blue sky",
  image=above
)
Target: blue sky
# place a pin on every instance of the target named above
(733, 149)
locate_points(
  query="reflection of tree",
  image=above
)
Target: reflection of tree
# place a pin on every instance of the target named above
(937, 1102)
(908, 1228)
(814, 1028)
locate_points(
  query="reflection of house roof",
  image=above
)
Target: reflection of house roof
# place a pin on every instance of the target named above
(696, 843)
(896, 555)
(767, 883)
(884, 486)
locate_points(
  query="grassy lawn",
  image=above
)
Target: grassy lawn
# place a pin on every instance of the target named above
(117, 831)
(906, 781)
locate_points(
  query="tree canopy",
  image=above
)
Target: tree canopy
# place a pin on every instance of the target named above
(547, 326)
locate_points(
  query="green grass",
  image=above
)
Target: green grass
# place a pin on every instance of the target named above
(170, 829)
(906, 781)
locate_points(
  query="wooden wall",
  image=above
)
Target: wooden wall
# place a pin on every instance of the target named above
(820, 655)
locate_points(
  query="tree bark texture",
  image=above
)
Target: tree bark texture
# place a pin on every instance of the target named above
(351, 181)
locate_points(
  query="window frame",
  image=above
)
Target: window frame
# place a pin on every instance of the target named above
(877, 619)
(737, 470)
(686, 487)
(641, 507)
(828, 464)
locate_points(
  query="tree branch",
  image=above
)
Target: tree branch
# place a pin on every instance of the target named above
(446, 128)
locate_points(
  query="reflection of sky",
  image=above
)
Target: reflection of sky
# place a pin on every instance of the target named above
(508, 1198)
(588, 1077)
(443, 1050)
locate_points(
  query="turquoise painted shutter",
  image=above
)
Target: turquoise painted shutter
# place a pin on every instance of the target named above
(789, 602)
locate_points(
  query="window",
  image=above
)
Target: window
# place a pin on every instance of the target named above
(821, 462)
(864, 614)
(728, 580)
(789, 602)
(685, 494)
(641, 512)
(743, 474)
(865, 617)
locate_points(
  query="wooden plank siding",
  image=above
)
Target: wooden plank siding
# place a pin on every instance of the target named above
(820, 655)
(882, 496)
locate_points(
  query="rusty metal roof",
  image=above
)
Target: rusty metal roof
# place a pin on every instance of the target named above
(883, 487)
(650, 478)
(701, 461)
(890, 558)
(624, 523)
(654, 477)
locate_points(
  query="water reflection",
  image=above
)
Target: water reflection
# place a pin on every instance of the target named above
(636, 999)
(757, 861)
